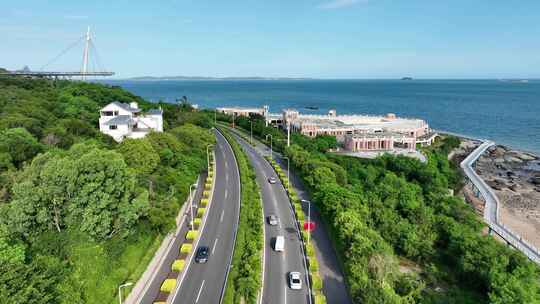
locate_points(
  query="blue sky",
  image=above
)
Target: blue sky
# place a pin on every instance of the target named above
(294, 38)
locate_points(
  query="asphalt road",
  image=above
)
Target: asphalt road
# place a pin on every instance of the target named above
(152, 291)
(203, 283)
(278, 264)
(334, 287)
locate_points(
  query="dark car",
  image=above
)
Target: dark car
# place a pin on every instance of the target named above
(202, 254)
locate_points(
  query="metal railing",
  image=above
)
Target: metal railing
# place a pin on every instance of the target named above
(491, 209)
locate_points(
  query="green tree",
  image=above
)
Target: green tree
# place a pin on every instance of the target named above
(139, 155)
(19, 144)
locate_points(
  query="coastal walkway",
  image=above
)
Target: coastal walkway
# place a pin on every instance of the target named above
(491, 209)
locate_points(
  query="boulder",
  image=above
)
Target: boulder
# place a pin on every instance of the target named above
(522, 155)
(512, 159)
(535, 180)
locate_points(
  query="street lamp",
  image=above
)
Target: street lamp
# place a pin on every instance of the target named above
(309, 217)
(288, 175)
(191, 197)
(120, 291)
(208, 155)
(251, 134)
(271, 156)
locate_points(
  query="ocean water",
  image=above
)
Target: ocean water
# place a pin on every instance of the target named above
(503, 111)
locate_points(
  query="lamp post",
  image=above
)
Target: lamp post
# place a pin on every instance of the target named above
(251, 134)
(271, 155)
(309, 217)
(191, 196)
(120, 291)
(208, 155)
(288, 175)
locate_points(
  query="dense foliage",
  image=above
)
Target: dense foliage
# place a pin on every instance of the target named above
(79, 213)
(244, 280)
(400, 234)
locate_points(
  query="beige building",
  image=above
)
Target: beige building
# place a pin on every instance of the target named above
(362, 132)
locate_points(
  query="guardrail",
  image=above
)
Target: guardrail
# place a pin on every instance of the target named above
(491, 209)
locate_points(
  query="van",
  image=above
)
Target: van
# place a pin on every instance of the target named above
(279, 244)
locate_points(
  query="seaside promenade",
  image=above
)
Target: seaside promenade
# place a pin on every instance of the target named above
(491, 210)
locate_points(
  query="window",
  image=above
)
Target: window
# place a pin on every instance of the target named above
(107, 113)
(113, 127)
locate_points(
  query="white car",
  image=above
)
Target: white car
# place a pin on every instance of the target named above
(294, 280)
(272, 180)
(273, 220)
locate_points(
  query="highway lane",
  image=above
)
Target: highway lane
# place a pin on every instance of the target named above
(278, 264)
(335, 288)
(203, 283)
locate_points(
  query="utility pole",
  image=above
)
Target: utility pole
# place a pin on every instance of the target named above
(288, 133)
(85, 54)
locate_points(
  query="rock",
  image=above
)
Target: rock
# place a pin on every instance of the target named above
(514, 188)
(512, 159)
(521, 155)
(499, 160)
(535, 180)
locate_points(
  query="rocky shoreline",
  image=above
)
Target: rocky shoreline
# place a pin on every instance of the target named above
(515, 177)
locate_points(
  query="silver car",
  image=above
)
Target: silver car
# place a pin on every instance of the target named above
(273, 220)
(295, 282)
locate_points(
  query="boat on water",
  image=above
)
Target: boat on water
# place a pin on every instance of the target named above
(312, 108)
(407, 78)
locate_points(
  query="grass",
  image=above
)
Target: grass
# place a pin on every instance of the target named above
(99, 268)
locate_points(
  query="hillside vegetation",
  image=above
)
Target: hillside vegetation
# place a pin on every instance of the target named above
(399, 233)
(79, 213)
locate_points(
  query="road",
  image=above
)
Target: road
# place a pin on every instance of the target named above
(278, 264)
(334, 286)
(204, 283)
(491, 209)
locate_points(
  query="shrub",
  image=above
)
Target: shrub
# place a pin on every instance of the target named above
(209, 180)
(208, 186)
(197, 221)
(204, 202)
(304, 234)
(313, 265)
(310, 250)
(186, 248)
(178, 265)
(320, 299)
(300, 215)
(206, 194)
(168, 285)
(192, 234)
(200, 212)
(316, 281)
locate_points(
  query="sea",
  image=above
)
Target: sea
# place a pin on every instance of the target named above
(507, 112)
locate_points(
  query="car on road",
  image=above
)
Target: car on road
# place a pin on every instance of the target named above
(279, 243)
(272, 180)
(273, 220)
(295, 282)
(201, 256)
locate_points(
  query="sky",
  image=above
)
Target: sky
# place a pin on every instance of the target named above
(278, 38)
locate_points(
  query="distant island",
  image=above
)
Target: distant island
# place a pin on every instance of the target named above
(407, 78)
(147, 78)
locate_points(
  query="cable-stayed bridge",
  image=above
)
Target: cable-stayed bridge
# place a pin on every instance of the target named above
(91, 63)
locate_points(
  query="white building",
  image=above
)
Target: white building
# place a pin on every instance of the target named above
(122, 120)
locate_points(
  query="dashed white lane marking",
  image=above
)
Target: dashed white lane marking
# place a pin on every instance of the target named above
(226, 193)
(221, 217)
(227, 178)
(214, 247)
(200, 290)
